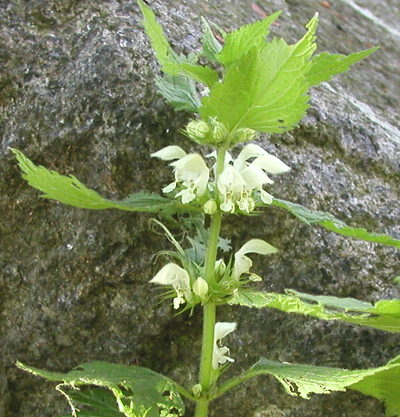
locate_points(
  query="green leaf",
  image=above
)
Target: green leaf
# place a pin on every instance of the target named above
(97, 403)
(199, 73)
(170, 63)
(385, 386)
(324, 66)
(384, 315)
(382, 383)
(155, 32)
(179, 91)
(69, 190)
(136, 389)
(211, 45)
(329, 222)
(239, 42)
(266, 89)
(148, 202)
(265, 84)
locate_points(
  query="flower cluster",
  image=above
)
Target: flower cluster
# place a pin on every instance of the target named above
(196, 289)
(236, 184)
(241, 178)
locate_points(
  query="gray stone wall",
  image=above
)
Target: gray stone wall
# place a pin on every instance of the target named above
(77, 95)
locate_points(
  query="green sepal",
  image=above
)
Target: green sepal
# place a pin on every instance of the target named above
(69, 190)
(240, 41)
(180, 92)
(331, 223)
(383, 315)
(170, 63)
(137, 390)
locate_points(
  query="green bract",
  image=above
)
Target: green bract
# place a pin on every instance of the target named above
(255, 84)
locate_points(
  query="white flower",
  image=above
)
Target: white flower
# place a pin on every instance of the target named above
(220, 353)
(190, 171)
(232, 188)
(169, 153)
(265, 160)
(243, 263)
(172, 274)
(241, 178)
(193, 173)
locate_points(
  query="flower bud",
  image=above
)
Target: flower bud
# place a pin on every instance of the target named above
(219, 132)
(244, 135)
(197, 130)
(210, 207)
(197, 390)
(200, 287)
(220, 267)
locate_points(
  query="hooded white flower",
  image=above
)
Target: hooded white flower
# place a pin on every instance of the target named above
(190, 171)
(172, 274)
(232, 188)
(193, 173)
(220, 353)
(169, 153)
(243, 263)
(240, 178)
(265, 160)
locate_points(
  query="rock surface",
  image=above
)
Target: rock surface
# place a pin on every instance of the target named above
(78, 96)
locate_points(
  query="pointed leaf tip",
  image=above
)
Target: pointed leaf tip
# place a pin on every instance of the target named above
(384, 315)
(240, 41)
(69, 190)
(331, 223)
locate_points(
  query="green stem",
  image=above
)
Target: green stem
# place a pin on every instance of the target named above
(201, 407)
(183, 391)
(209, 309)
(207, 348)
(212, 247)
(205, 374)
(233, 382)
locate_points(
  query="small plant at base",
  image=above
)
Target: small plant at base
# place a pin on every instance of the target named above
(263, 90)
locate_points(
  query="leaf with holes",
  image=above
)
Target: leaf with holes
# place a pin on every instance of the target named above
(136, 390)
(383, 315)
(382, 383)
(93, 402)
